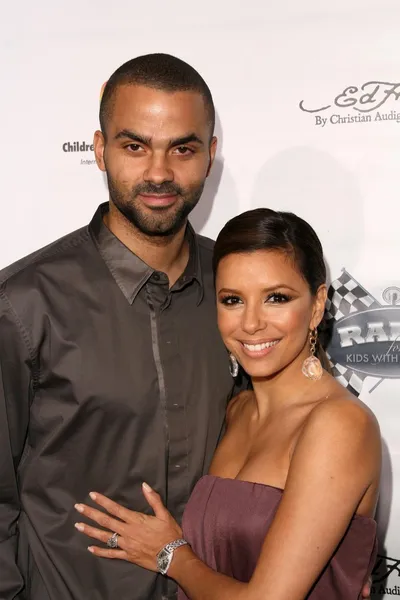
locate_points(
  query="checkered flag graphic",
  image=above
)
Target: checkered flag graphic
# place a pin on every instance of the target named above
(346, 296)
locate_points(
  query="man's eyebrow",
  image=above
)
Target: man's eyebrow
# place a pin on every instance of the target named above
(140, 139)
(135, 137)
(186, 139)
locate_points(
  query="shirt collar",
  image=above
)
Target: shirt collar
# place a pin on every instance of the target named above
(131, 272)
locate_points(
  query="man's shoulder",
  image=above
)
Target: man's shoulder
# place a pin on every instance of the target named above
(205, 243)
(205, 252)
(54, 252)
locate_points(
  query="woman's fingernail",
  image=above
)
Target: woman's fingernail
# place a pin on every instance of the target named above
(79, 526)
(90, 548)
(79, 508)
(146, 487)
(93, 495)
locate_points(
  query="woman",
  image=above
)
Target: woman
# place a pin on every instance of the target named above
(287, 508)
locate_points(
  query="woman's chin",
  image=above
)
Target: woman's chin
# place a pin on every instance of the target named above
(259, 372)
(263, 371)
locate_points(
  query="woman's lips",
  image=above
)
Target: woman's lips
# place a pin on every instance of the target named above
(260, 348)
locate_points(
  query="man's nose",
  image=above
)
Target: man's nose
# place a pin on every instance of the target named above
(158, 170)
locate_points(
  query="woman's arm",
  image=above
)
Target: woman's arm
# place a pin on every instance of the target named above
(336, 460)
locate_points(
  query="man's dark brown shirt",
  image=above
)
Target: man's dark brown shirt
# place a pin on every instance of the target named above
(108, 378)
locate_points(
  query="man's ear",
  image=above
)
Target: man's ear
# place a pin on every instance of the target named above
(99, 145)
(212, 152)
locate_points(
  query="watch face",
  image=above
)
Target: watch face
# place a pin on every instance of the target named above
(162, 555)
(163, 560)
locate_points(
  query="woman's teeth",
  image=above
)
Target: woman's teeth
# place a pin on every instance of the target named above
(258, 347)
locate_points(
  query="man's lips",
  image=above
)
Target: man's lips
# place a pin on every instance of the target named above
(155, 200)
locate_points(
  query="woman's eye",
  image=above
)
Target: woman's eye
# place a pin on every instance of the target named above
(277, 298)
(230, 300)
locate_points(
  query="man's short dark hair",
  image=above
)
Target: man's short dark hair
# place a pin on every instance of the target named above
(158, 71)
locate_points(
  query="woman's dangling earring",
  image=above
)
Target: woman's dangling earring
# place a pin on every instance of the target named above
(312, 367)
(233, 365)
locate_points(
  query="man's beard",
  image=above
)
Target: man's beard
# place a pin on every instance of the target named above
(158, 221)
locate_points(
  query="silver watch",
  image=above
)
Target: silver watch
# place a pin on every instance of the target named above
(164, 557)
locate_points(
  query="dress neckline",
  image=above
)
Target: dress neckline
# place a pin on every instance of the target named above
(266, 485)
(272, 487)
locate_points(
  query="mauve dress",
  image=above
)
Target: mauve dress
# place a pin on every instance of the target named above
(226, 521)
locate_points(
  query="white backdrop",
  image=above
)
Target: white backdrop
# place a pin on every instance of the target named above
(260, 59)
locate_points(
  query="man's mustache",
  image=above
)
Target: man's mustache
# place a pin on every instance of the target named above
(162, 189)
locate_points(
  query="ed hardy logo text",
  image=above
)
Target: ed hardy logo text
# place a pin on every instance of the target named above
(357, 104)
(386, 568)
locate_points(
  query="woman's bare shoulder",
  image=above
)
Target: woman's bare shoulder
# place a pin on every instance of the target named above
(343, 412)
(237, 405)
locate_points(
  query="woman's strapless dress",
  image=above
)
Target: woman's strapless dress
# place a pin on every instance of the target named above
(226, 521)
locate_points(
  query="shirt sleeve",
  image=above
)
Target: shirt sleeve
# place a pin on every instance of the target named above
(15, 394)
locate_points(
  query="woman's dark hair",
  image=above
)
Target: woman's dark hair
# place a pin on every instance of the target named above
(266, 229)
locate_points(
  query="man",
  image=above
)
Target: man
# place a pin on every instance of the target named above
(112, 371)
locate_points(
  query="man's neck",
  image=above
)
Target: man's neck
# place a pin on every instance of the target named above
(169, 254)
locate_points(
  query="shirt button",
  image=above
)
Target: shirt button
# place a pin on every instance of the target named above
(156, 276)
(177, 466)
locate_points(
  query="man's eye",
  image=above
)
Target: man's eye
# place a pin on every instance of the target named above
(183, 150)
(230, 300)
(134, 147)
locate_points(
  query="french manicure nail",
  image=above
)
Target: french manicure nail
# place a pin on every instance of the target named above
(90, 548)
(93, 495)
(79, 508)
(146, 487)
(79, 526)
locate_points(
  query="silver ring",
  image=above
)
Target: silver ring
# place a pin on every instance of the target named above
(112, 542)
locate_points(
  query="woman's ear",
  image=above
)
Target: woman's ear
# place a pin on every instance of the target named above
(319, 306)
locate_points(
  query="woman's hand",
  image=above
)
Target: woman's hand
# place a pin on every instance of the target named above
(140, 536)
(366, 591)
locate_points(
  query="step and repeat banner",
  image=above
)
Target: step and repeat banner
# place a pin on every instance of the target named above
(308, 103)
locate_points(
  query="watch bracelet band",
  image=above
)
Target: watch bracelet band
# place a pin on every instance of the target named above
(175, 544)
